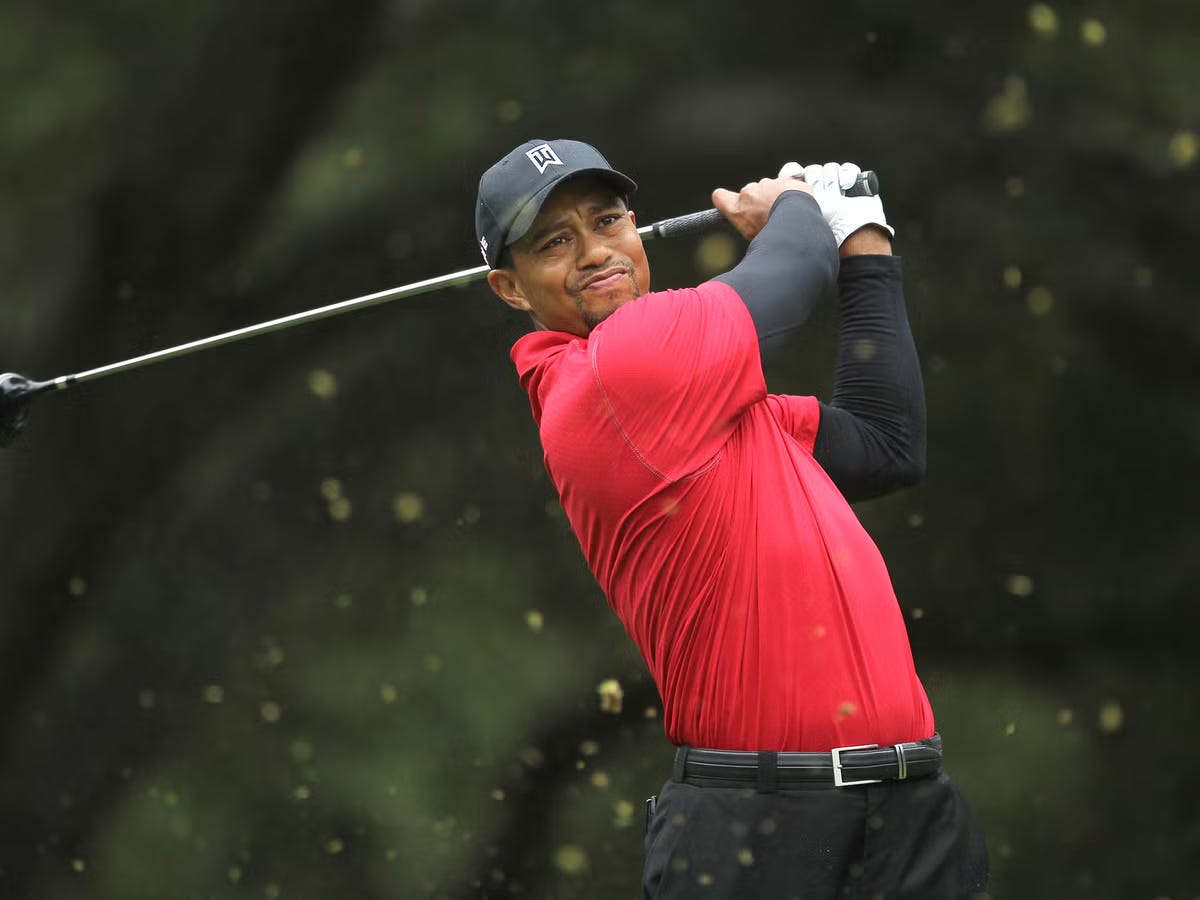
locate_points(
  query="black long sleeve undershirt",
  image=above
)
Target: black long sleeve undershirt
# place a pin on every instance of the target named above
(789, 266)
(871, 438)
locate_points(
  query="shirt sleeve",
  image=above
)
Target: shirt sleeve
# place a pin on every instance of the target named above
(788, 268)
(676, 370)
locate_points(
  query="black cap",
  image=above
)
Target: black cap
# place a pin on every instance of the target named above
(511, 192)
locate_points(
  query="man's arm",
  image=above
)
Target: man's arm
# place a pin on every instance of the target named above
(789, 266)
(871, 438)
(792, 258)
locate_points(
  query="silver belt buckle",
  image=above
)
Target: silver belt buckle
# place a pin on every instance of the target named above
(837, 765)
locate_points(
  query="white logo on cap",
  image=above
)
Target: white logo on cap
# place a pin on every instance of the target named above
(543, 157)
(483, 249)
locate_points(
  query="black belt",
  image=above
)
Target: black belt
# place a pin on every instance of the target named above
(842, 766)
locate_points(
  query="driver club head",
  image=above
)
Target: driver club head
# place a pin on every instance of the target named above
(15, 393)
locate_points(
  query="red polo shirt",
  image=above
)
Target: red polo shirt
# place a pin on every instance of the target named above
(762, 608)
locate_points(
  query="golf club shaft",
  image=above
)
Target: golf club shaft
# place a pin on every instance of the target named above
(672, 227)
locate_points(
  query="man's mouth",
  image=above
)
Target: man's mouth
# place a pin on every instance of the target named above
(606, 279)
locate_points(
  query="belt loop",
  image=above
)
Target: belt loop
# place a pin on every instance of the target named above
(768, 764)
(901, 763)
(681, 756)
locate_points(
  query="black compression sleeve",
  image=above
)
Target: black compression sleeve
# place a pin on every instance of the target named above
(788, 267)
(871, 439)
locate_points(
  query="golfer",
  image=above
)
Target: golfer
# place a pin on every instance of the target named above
(716, 518)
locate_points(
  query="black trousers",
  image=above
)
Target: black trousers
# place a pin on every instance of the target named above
(914, 839)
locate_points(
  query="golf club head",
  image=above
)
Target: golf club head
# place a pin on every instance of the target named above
(15, 393)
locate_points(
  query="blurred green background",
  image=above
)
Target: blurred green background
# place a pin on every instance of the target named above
(301, 618)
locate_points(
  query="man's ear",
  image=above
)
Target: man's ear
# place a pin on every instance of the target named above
(505, 286)
(633, 218)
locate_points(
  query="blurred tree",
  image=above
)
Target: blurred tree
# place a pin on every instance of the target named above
(301, 618)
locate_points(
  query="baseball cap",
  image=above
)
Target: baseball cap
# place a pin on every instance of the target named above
(511, 192)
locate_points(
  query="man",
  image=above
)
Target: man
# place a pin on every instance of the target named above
(715, 516)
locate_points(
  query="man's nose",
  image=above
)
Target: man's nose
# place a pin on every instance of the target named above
(593, 251)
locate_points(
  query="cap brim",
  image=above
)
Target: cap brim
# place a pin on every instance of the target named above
(525, 217)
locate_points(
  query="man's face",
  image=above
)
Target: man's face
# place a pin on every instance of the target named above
(581, 259)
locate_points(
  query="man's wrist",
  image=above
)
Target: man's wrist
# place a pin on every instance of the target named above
(870, 240)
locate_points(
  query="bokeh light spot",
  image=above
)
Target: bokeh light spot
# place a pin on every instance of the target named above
(1092, 32)
(323, 384)
(571, 859)
(715, 253)
(1111, 717)
(1019, 585)
(408, 507)
(1040, 300)
(1183, 148)
(1043, 20)
(611, 695)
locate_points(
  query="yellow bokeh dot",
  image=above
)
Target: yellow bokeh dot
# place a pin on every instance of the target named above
(1040, 300)
(1012, 277)
(418, 596)
(1111, 717)
(571, 859)
(331, 489)
(917, 612)
(1065, 717)
(408, 507)
(78, 865)
(1014, 186)
(534, 620)
(77, 587)
(322, 383)
(388, 693)
(353, 157)
(715, 253)
(213, 693)
(270, 711)
(340, 509)
(611, 695)
(1043, 20)
(1009, 110)
(1183, 148)
(746, 856)
(600, 780)
(1019, 585)
(1143, 276)
(623, 812)
(1092, 32)
(589, 748)
(497, 793)
(1010, 729)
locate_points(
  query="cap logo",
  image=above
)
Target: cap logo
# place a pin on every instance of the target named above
(543, 157)
(483, 249)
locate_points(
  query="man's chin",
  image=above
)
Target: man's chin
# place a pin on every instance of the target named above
(598, 312)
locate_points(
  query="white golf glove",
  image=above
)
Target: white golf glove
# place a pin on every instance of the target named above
(845, 215)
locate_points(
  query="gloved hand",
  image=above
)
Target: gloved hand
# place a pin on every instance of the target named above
(845, 215)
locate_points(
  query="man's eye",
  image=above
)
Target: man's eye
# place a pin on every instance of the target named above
(555, 241)
(609, 219)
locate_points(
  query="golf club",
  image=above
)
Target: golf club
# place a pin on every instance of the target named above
(16, 391)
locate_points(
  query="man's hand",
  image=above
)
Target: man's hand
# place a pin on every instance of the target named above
(848, 217)
(747, 209)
